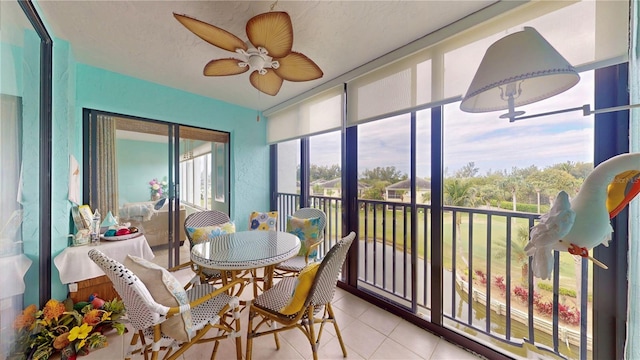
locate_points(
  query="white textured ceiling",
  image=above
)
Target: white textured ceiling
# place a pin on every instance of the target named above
(143, 40)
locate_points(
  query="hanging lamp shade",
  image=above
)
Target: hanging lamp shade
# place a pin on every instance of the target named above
(518, 69)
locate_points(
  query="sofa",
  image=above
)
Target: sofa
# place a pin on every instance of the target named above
(154, 224)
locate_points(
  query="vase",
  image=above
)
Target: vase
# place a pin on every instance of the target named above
(155, 197)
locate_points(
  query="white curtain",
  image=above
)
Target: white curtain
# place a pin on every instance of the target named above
(10, 207)
(633, 318)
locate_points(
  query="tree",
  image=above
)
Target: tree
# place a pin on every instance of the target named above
(375, 192)
(468, 171)
(388, 174)
(518, 243)
(317, 189)
(551, 180)
(317, 172)
(458, 193)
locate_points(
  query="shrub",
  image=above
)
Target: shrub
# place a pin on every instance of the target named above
(499, 282)
(568, 314)
(521, 293)
(530, 208)
(481, 276)
(544, 308)
(562, 291)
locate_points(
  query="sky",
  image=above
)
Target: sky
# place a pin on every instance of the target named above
(483, 138)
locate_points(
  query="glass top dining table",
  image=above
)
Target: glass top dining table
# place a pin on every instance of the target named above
(245, 250)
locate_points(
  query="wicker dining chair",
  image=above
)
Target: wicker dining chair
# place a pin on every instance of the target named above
(201, 308)
(197, 220)
(294, 265)
(261, 221)
(268, 305)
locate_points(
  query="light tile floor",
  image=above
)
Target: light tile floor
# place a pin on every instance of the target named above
(368, 332)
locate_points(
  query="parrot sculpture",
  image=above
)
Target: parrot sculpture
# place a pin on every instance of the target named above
(578, 225)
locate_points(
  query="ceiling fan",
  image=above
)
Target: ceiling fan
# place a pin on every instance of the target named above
(267, 53)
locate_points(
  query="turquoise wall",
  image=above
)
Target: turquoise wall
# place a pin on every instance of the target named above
(108, 91)
(66, 140)
(78, 86)
(138, 163)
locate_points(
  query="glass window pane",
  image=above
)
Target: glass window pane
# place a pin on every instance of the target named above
(288, 180)
(499, 176)
(384, 156)
(289, 167)
(325, 183)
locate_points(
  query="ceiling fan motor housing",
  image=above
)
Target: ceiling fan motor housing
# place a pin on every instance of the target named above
(257, 59)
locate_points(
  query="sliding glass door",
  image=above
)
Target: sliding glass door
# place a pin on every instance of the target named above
(151, 175)
(25, 158)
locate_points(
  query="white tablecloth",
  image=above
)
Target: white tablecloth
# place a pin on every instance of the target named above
(14, 268)
(74, 264)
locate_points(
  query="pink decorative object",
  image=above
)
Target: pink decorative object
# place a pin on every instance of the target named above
(96, 302)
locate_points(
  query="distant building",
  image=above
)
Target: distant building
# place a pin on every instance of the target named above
(401, 191)
(332, 188)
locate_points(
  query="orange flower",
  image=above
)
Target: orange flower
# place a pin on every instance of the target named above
(26, 318)
(93, 317)
(61, 341)
(30, 310)
(52, 310)
(22, 321)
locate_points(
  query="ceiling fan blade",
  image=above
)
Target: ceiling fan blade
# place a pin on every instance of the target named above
(272, 31)
(211, 34)
(223, 67)
(268, 83)
(298, 67)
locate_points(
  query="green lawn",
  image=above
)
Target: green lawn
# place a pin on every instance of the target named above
(479, 246)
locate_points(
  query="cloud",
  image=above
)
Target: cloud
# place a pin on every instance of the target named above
(485, 139)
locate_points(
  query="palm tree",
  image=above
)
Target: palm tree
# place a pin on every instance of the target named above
(518, 242)
(459, 193)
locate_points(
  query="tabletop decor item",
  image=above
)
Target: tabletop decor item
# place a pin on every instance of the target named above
(158, 188)
(65, 327)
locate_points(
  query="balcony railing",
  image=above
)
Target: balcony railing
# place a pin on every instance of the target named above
(487, 288)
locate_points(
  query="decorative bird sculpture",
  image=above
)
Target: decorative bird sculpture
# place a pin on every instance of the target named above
(584, 222)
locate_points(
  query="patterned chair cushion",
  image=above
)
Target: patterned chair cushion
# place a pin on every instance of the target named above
(301, 290)
(166, 290)
(263, 220)
(201, 234)
(307, 230)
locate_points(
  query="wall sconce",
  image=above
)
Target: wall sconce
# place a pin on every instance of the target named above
(520, 69)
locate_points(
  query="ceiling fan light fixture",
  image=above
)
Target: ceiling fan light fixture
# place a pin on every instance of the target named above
(257, 59)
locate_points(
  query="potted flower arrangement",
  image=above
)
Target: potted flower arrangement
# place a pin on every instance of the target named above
(158, 188)
(64, 327)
